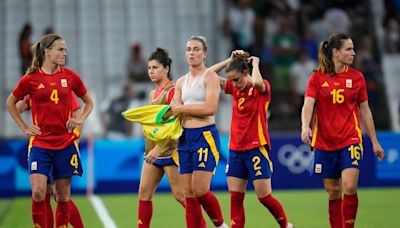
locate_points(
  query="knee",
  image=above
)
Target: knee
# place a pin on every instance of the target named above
(200, 190)
(38, 194)
(334, 192)
(350, 188)
(144, 193)
(62, 197)
(179, 196)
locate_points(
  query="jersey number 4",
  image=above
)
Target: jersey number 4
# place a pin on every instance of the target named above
(54, 96)
(74, 161)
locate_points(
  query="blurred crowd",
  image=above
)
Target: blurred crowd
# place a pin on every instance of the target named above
(285, 34)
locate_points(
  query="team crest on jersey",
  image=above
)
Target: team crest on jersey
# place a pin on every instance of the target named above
(64, 83)
(349, 83)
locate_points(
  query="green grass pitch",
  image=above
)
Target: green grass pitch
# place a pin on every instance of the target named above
(305, 208)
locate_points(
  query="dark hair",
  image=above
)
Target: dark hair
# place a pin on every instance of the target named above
(161, 55)
(325, 62)
(239, 63)
(38, 48)
(202, 40)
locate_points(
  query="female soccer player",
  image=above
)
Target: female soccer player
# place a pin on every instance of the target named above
(249, 142)
(53, 133)
(75, 218)
(196, 100)
(337, 95)
(158, 160)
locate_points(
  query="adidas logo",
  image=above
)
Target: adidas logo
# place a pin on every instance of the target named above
(75, 171)
(202, 165)
(355, 162)
(325, 84)
(41, 86)
(258, 173)
(139, 221)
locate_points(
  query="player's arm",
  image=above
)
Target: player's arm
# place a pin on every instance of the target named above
(22, 106)
(209, 108)
(177, 99)
(306, 115)
(256, 78)
(11, 105)
(368, 121)
(87, 108)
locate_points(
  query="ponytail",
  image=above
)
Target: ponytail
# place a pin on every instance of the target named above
(38, 50)
(325, 54)
(239, 63)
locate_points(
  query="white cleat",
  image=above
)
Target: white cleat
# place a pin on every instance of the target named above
(223, 225)
(289, 225)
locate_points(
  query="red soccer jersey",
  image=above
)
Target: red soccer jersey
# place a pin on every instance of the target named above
(51, 105)
(249, 127)
(75, 102)
(336, 121)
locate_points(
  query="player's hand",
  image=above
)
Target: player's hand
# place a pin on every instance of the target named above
(237, 53)
(254, 60)
(152, 156)
(72, 123)
(177, 109)
(306, 135)
(32, 130)
(378, 151)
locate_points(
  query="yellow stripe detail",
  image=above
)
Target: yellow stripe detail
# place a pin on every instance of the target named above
(261, 135)
(315, 130)
(211, 142)
(77, 147)
(76, 132)
(359, 132)
(175, 157)
(265, 153)
(30, 144)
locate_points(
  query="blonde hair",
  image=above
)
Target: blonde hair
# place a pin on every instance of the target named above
(38, 49)
(202, 40)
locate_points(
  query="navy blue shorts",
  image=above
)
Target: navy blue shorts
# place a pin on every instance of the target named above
(330, 164)
(198, 149)
(249, 164)
(55, 163)
(167, 161)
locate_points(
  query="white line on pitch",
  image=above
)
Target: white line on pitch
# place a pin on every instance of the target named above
(102, 212)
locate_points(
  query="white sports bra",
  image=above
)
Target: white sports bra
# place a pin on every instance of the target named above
(195, 93)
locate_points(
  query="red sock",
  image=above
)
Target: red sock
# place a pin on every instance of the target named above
(335, 213)
(75, 220)
(63, 213)
(49, 211)
(349, 210)
(275, 208)
(145, 212)
(39, 213)
(193, 215)
(203, 223)
(211, 206)
(237, 210)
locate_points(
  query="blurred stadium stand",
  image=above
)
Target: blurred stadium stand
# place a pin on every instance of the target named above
(99, 34)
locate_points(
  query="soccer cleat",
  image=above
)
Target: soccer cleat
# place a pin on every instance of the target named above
(223, 225)
(289, 225)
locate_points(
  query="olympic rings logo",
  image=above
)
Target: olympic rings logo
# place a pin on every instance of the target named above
(296, 159)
